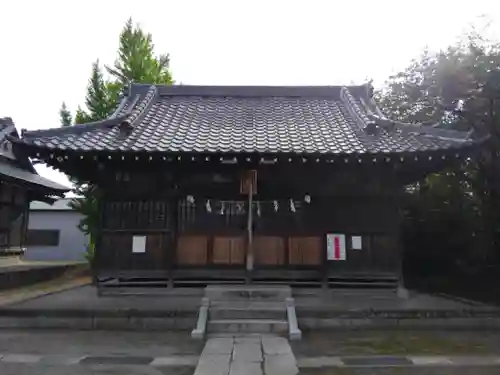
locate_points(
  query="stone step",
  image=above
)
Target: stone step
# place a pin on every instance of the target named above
(248, 293)
(231, 313)
(251, 305)
(247, 326)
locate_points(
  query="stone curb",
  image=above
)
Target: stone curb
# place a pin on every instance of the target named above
(310, 323)
(329, 313)
(373, 316)
(398, 361)
(126, 323)
(303, 362)
(131, 319)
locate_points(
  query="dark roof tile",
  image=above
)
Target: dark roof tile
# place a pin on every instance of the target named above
(18, 166)
(329, 120)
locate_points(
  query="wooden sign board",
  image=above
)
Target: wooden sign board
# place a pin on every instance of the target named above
(139, 244)
(356, 243)
(248, 179)
(335, 247)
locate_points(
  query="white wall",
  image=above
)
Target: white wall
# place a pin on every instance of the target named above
(72, 242)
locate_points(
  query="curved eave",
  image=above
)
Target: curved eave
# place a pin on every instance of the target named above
(372, 118)
(28, 136)
(58, 155)
(32, 180)
(130, 111)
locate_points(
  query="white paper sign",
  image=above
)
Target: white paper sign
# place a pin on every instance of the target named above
(139, 244)
(335, 247)
(356, 243)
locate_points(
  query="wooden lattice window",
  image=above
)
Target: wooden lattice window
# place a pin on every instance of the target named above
(136, 215)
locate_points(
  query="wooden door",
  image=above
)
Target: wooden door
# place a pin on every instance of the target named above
(305, 251)
(192, 250)
(269, 251)
(229, 251)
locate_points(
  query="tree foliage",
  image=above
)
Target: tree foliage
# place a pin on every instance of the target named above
(101, 98)
(136, 62)
(65, 115)
(456, 212)
(136, 59)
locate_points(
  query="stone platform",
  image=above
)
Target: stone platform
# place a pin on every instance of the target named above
(178, 308)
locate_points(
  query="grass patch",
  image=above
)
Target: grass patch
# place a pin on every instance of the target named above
(411, 344)
(397, 343)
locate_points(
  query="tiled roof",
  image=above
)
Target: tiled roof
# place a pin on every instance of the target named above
(226, 119)
(19, 167)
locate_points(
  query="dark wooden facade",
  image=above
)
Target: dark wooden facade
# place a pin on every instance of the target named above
(14, 206)
(195, 219)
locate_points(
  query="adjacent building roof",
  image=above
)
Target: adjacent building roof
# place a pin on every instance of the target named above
(62, 204)
(248, 119)
(15, 166)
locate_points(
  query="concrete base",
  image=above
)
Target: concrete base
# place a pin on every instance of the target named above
(199, 332)
(294, 333)
(402, 292)
(248, 308)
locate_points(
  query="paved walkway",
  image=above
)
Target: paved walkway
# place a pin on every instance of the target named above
(247, 355)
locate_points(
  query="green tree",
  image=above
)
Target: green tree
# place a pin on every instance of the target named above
(456, 211)
(101, 98)
(136, 62)
(65, 115)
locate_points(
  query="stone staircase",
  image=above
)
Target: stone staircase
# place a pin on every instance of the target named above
(241, 309)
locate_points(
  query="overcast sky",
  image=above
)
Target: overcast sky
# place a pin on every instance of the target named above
(48, 46)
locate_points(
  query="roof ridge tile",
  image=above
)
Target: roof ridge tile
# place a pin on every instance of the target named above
(433, 130)
(140, 106)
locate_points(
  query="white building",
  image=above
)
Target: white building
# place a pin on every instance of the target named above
(53, 232)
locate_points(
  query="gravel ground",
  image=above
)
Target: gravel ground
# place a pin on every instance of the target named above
(80, 343)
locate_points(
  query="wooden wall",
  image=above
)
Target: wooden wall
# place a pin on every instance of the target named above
(209, 229)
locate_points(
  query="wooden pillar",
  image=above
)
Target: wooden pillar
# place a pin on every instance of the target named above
(24, 226)
(96, 242)
(250, 255)
(402, 292)
(324, 265)
(172, 211)
(248, 185)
